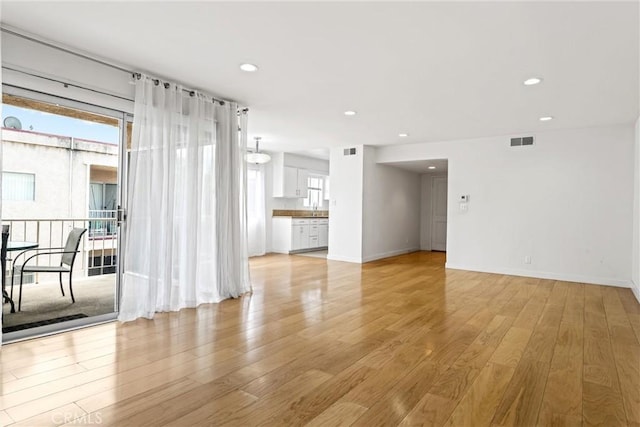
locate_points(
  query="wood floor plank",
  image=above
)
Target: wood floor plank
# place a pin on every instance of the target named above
(477, 407)
(455, 381)
(318, 400)
(562, 398)
(628, 300)
(634, 319)
(45, 377)
(628, 366)
(511, 347)
(279, 400)
(432, 410)
(520, 403)
(337, 415)
(396, 404)
(5, 419)
(59, 416)
(401, 340)
(599, 363)
(6, 377)
(620, 329)
(385, 378)
(602, 406)
(129, 406)
(219, 408)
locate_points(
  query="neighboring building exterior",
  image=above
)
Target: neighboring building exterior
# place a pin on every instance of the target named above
(48, 180)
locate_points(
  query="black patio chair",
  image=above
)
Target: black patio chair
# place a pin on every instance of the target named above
(67, 260)
(3, 262)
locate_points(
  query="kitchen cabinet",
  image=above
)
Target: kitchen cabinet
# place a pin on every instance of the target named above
(313, 233)
(323, 234)
(290, 182)
(299, 234)
(295, 182)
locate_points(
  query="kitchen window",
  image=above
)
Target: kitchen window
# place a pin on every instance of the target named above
(314, 192)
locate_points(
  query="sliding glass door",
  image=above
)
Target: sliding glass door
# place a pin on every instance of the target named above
(63, 169)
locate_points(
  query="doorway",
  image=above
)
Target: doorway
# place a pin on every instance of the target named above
(439, 213)
(433, 207)
(63, 167)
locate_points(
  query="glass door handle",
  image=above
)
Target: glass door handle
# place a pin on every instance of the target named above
(121, 215)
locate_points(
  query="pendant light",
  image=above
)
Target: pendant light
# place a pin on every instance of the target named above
(257, 157)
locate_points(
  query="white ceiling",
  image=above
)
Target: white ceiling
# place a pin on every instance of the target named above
(422, 166)
(438, 71)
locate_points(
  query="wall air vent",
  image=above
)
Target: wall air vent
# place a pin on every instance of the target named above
(350, 151)
(525, 140)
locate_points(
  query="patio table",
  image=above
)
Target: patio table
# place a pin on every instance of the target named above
(11, 247)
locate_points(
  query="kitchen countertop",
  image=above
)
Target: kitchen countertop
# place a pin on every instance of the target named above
(301, 217)
(299, 213)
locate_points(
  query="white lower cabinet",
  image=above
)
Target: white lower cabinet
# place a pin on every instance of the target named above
(313, 233)
(323, 234)
(299, 237)
(299, 234)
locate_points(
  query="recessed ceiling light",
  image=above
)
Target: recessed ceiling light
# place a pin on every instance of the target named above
(432, 167)
(350, 113)
(546, 118)
(533, 81)
(403, 135)
(250, 68)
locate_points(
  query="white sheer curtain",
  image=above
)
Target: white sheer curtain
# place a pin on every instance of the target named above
(256, 214)
(186, 235)
(1, 169)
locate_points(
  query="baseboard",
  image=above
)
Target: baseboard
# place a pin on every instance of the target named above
(332, 257)
(635, 288)
(389, 254)
(545, 275)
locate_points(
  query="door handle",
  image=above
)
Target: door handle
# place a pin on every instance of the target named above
(121, 215)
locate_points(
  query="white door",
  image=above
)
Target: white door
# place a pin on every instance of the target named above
(439, 213)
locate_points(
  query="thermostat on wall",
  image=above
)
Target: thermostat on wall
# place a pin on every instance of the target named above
(464, 198)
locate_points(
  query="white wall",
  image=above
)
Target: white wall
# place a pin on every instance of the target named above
(345, 218)
(567, 202)
(268, 205)
(635, 253)
(391, 209)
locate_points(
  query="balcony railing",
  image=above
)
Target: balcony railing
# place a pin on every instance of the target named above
(104, 223)
(98, 249)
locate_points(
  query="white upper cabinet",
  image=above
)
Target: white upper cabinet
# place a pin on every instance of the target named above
(288, 181)
(294, 183)
(303, 180)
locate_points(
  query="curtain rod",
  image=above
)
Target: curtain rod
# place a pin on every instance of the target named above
(166, 85)
(135, 74)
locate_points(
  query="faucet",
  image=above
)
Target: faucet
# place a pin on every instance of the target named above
(315, 209)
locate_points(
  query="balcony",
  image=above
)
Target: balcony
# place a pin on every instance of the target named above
(94, 272)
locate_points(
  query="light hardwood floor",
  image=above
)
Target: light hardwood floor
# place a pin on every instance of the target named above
(400, 341)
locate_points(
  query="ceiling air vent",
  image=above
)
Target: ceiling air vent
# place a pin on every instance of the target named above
(349, 151)
(525, 140)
